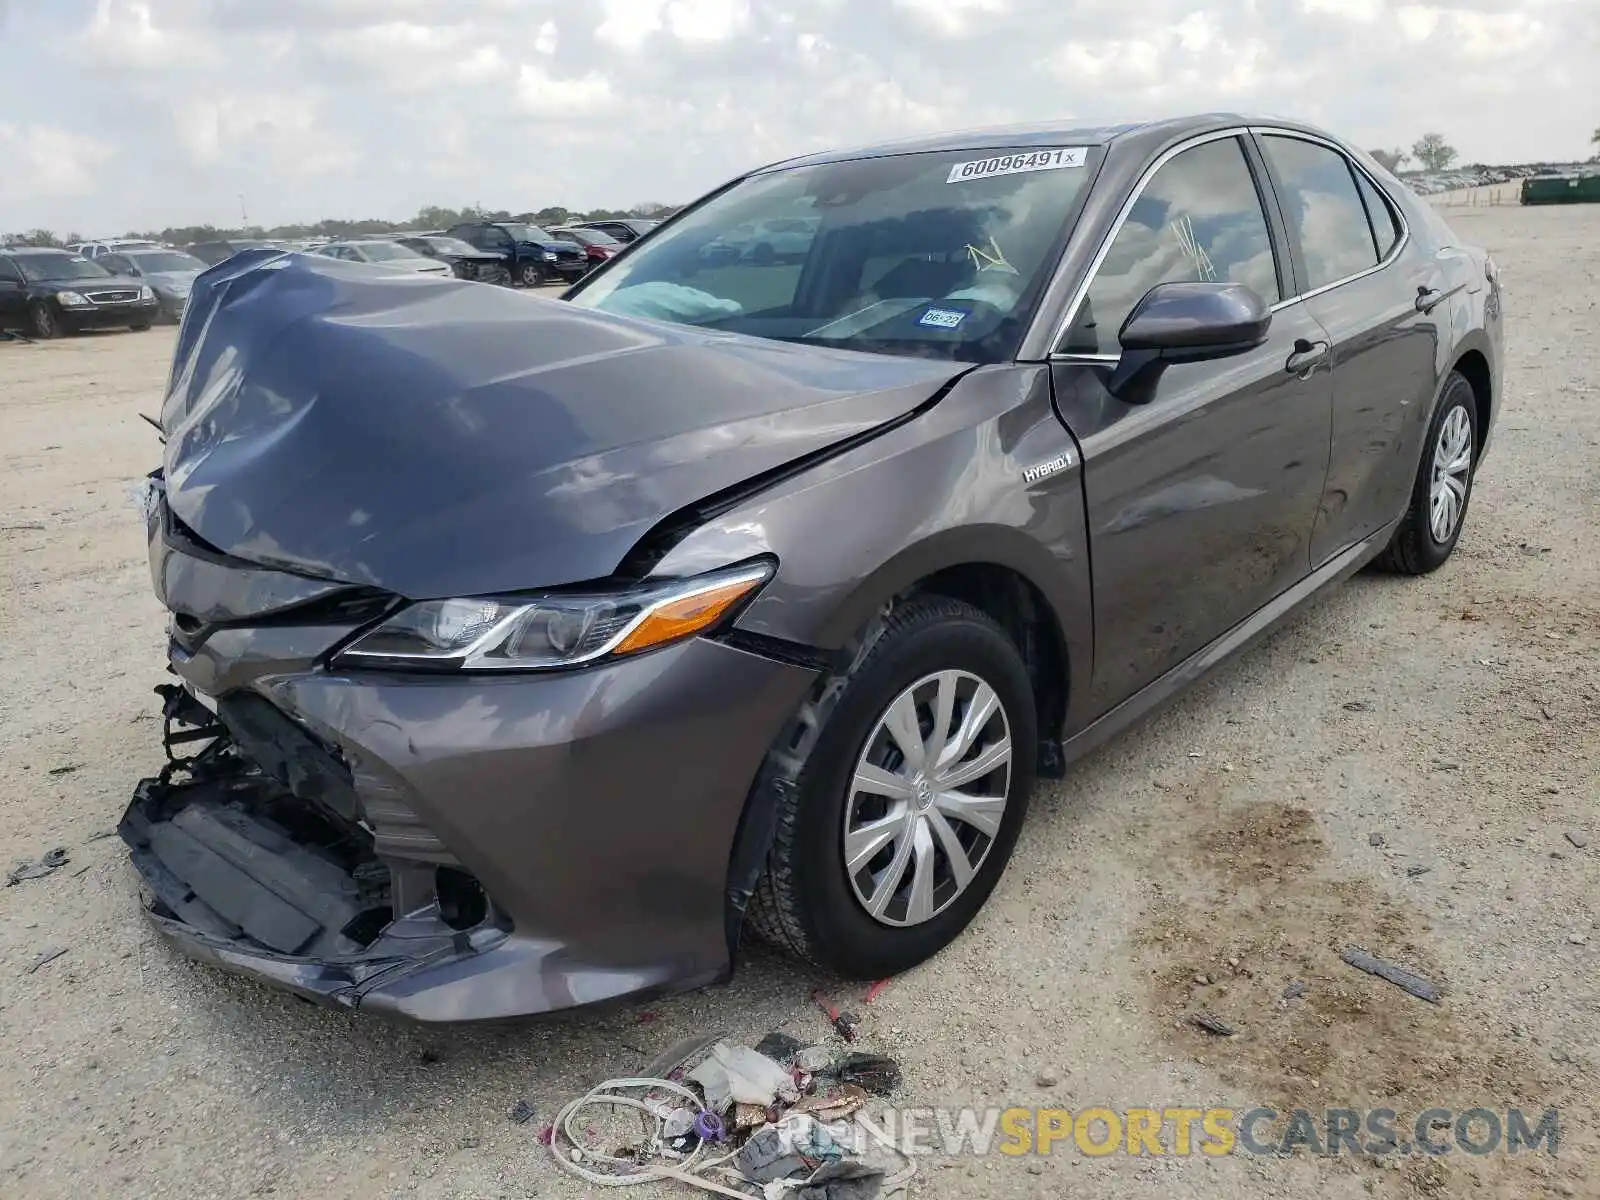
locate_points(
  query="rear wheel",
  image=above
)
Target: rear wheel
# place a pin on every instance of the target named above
(44, 322)
(140, 326)
(900, 792)
(1427, 534)
(530, 275)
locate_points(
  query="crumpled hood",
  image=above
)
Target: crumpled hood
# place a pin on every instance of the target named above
(436, 437)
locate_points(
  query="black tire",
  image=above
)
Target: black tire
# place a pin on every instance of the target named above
(1414, 549)
(530, 275)
(141, 327)
(804, 902)
(43, 321)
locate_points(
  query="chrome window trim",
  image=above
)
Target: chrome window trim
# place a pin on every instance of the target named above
(1070, 313)
(1405, 226)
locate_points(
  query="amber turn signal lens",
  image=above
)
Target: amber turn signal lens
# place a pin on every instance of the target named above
(686, 616)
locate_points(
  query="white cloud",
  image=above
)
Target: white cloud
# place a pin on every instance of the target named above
(317, 108)
(45, 160)
(952, 17)
(543, 95)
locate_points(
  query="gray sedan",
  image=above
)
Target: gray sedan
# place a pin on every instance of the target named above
(386, 255)
(531, 652)
(169, 273)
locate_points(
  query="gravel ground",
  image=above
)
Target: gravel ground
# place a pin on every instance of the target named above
(1245, 835)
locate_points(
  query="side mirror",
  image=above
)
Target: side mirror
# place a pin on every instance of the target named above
(1186, 322)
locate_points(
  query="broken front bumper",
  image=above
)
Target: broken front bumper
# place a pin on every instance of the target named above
(462, 849)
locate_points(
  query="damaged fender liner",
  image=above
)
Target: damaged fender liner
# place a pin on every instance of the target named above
(240, 872)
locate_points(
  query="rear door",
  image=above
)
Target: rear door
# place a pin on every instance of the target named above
(1386, 315)
(1200, 502)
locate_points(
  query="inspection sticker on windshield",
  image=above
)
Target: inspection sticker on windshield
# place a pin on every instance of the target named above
(942, 318)
(1016, 164)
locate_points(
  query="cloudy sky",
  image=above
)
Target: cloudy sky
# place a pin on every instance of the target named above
(119, 114)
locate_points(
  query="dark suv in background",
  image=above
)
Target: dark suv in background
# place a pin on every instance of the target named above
(531, 254)
(211, 253)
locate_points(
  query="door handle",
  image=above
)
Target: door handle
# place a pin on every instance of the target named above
(1428, 298)
(1306, 356)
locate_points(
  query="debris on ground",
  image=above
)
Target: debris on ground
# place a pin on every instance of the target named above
(846, 1024)
(1418, 985)
(1207, 1023)
(49, 863)
(738, 1075)
(100, 835)
(1578, 939)
(1295, 990)
(735, 1121)
(780, 1047)
(873, 1073)
(1416, 869)
(1357, 706)
(521, 1112)
(1579, 840)
(66, 769)
(1375, 839)
(46, 956)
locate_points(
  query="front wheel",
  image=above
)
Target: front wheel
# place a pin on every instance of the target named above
(900, 790)
(1432, 525)
(140, 327)
(44, 322)
(529, 275)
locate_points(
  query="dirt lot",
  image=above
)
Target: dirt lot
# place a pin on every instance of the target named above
(1235, 836)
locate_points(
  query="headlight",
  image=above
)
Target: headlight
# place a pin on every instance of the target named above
(145, 293)
(71, 300)
(548, 256)
(553, 630)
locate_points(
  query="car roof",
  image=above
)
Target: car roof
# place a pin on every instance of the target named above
(1049, 133)
(38, 250)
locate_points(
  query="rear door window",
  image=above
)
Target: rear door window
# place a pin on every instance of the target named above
(1324, 209)
(1199, 219)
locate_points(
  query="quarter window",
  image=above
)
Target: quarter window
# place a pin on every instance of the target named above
(1199, 219)
(1385, 229)
(1322, 204)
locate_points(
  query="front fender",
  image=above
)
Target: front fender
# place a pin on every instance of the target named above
(945, 489)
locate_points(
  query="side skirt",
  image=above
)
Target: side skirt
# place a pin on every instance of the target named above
(1243, 635)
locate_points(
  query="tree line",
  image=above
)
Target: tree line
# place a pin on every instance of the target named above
(430, 216)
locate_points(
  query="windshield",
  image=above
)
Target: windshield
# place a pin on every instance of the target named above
(383, 251)
(527, 233)
(170, 260)
(449, 245)
(37, 267)
(940, 255)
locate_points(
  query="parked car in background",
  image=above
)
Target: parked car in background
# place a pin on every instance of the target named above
(530, 254)
(386, 254)
(624, 229)
(49, 293)
(211, 253)
(468, 262)
(105, 246)
(598, 247)
(168, 273)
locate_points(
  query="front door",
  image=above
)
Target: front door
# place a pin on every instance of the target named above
(1200, 502)
(13, 295)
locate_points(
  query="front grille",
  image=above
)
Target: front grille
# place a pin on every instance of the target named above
(113, 296)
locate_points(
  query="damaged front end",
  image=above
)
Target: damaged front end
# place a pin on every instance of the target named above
(243, 870)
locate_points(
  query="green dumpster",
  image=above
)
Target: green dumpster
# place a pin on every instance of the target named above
(1561, 189)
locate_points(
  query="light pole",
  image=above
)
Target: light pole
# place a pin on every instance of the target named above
(244, 217)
